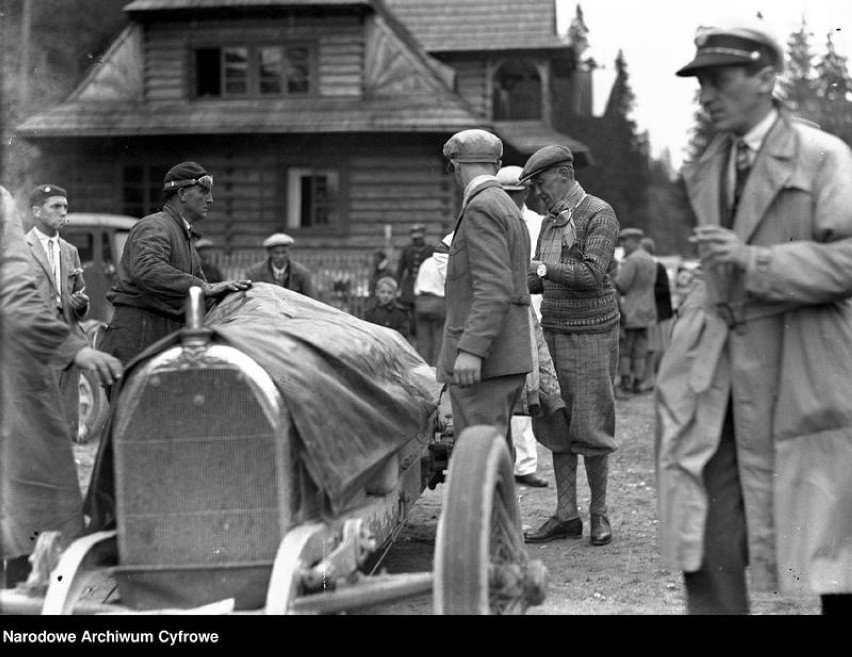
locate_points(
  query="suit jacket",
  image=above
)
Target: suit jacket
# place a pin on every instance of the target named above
(70, 274)
(39, 490)
(776, 338)
(635, 281)
(486, 288)
(298, 281)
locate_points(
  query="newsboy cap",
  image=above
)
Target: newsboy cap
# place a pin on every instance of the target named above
(510, 179)
(545, 158)
(734, 46)
(638, 233)
(44, 191)
(474, 145)
(278, 239)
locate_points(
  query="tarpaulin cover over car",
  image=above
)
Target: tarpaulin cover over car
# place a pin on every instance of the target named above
(356, 392)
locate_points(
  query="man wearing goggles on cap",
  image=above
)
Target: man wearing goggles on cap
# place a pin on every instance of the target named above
(159, 265)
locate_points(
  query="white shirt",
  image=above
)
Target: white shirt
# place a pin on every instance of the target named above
(533, 222)
(51, 249)
(432, 275)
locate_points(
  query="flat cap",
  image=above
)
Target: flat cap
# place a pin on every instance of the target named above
(474, 146)
(546, 158)
(510, 179)
(204, 243)
(278, 239)
(733, 46)
(418, 228)
(638, 233)
(44, 191)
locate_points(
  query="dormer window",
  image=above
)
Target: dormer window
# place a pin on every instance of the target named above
(517, 91)
(240, 71)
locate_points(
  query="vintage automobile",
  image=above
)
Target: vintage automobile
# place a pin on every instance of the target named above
(262, 459)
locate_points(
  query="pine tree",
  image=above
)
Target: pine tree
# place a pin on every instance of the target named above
(797, 84)
(834, 91)
(701, 134)
(627, 183)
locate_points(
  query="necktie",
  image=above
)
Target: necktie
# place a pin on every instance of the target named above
(742, 166)
(53, 261)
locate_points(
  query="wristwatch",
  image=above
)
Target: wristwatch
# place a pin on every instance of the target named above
(541, 271)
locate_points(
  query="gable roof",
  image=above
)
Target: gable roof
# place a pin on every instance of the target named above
(465, 25)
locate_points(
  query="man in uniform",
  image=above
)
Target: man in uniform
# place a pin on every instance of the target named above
(279, 269)
(59, 277)
(486, 350)
(754, 415)
(159, 265)
(573, 269)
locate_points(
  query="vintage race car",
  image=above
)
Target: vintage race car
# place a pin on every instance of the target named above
(262, 459)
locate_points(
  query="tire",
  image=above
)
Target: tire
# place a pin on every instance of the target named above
(480, 559)
(94, 408)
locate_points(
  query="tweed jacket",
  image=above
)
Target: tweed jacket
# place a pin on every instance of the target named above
(70, 274)
(299, 279)
(486, 290)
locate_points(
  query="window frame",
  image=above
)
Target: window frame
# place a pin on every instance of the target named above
(253, 65)
(341, 226)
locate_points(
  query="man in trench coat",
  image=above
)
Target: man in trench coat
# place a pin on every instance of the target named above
(754, 415)
(38, 477)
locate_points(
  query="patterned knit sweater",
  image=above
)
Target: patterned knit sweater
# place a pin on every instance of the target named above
(578, 294)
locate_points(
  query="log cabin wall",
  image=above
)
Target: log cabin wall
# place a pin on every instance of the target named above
(338, 59)
(385, 180)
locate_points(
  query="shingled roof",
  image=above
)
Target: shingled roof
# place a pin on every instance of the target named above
(156, 5)
(325, 115)
(464, 25)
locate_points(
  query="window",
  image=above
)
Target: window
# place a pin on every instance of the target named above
(517, 92)
(143, 189)
(313, 198)
(247, 70)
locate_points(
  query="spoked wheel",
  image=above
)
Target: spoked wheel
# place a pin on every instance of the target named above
(94, 408)
(481, 564)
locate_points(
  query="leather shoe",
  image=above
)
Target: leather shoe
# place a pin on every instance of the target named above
(531, 480)
(601, 532)
(555, 528)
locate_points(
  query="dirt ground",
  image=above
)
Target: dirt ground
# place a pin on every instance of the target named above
(625, 577)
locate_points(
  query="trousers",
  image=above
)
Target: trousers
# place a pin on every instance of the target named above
(719, 586)
(491, 402)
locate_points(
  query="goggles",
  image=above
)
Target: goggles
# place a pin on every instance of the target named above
(205, 181)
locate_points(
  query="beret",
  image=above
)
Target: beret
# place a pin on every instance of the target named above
(183, 173)
(510, 179)
(278, 239)
(474, 146)
(43, 192)
(204, 243)
(631, 232)
(545, 158)
(734, 46)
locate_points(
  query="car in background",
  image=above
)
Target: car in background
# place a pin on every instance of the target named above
(100, 240)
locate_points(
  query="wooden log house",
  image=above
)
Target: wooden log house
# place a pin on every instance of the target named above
(324, 119)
